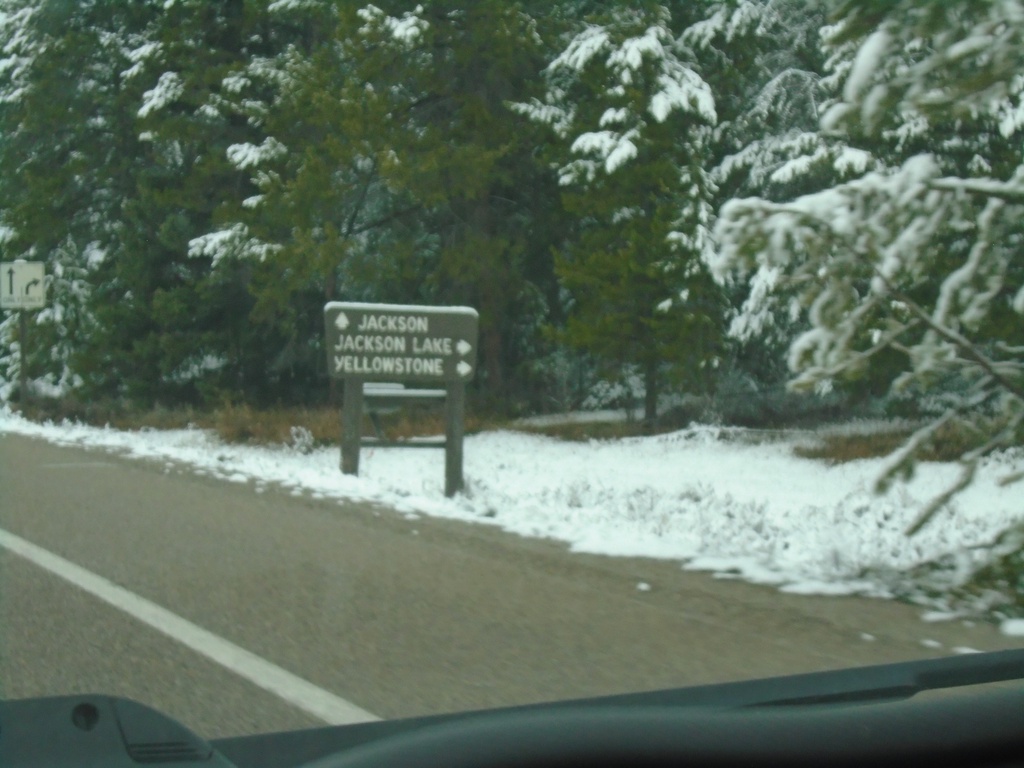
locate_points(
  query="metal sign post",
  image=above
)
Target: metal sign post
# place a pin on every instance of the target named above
(22, 287)
(22, 359)
(402, 343)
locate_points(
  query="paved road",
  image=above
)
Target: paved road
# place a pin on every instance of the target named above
(400, 617)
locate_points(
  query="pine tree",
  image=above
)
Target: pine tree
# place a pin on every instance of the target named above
(463, 155)
(65, 161)
(183, 334)
(392, 169)
(763, 61)
(311, 230)
(916, 262)
(635, 117)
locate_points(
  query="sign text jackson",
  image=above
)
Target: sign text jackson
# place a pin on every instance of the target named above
(398, 342)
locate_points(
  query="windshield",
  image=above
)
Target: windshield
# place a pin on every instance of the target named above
(374, 361)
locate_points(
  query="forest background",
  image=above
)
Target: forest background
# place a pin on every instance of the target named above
(694, 209)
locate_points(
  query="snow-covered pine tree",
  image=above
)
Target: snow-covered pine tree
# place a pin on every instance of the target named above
(404, 176)
(66, 165)
(763, 62)
(185, 332)
(446, 73)
(921, 255)
(634, 120)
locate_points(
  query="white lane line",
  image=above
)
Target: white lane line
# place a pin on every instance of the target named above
(332, 709)
(77, 464)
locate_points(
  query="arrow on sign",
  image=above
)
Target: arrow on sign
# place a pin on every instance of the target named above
(464, 368)
(341, 321)
(464, 347)
(30, 284)
(10, 281)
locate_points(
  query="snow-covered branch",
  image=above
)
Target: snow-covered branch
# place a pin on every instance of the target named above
(1010, 191)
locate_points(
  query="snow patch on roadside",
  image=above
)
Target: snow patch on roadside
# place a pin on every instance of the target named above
(732, 507)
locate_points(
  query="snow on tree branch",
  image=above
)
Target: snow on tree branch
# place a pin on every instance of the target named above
(906, 258)
(405, 29)
(966, 58)
(235, 242)
(140, 56)
(167, 90)
(638, 70)
(244, 156)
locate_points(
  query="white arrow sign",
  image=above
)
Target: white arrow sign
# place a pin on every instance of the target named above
(341, 321)
(22, 285)
(464, 368)
(464, 347)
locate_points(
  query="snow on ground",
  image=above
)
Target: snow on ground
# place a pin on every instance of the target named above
(700, 496)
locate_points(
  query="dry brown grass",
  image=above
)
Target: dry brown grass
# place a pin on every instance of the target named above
(949, 444)
(594, 430)
(245, 424)
(242, 424)
(102, 414)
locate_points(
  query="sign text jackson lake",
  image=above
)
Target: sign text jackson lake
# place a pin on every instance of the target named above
(396, 342)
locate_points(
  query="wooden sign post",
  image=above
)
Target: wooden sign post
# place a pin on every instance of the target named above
(402, 343)
(351, 425)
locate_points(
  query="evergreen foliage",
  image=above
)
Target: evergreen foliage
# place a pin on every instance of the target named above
(911, 271)
(634, 117)
(200, 178)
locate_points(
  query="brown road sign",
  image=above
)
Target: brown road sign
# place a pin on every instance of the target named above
(396, 342)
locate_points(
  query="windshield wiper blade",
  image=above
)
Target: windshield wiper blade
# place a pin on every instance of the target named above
(899, 680)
